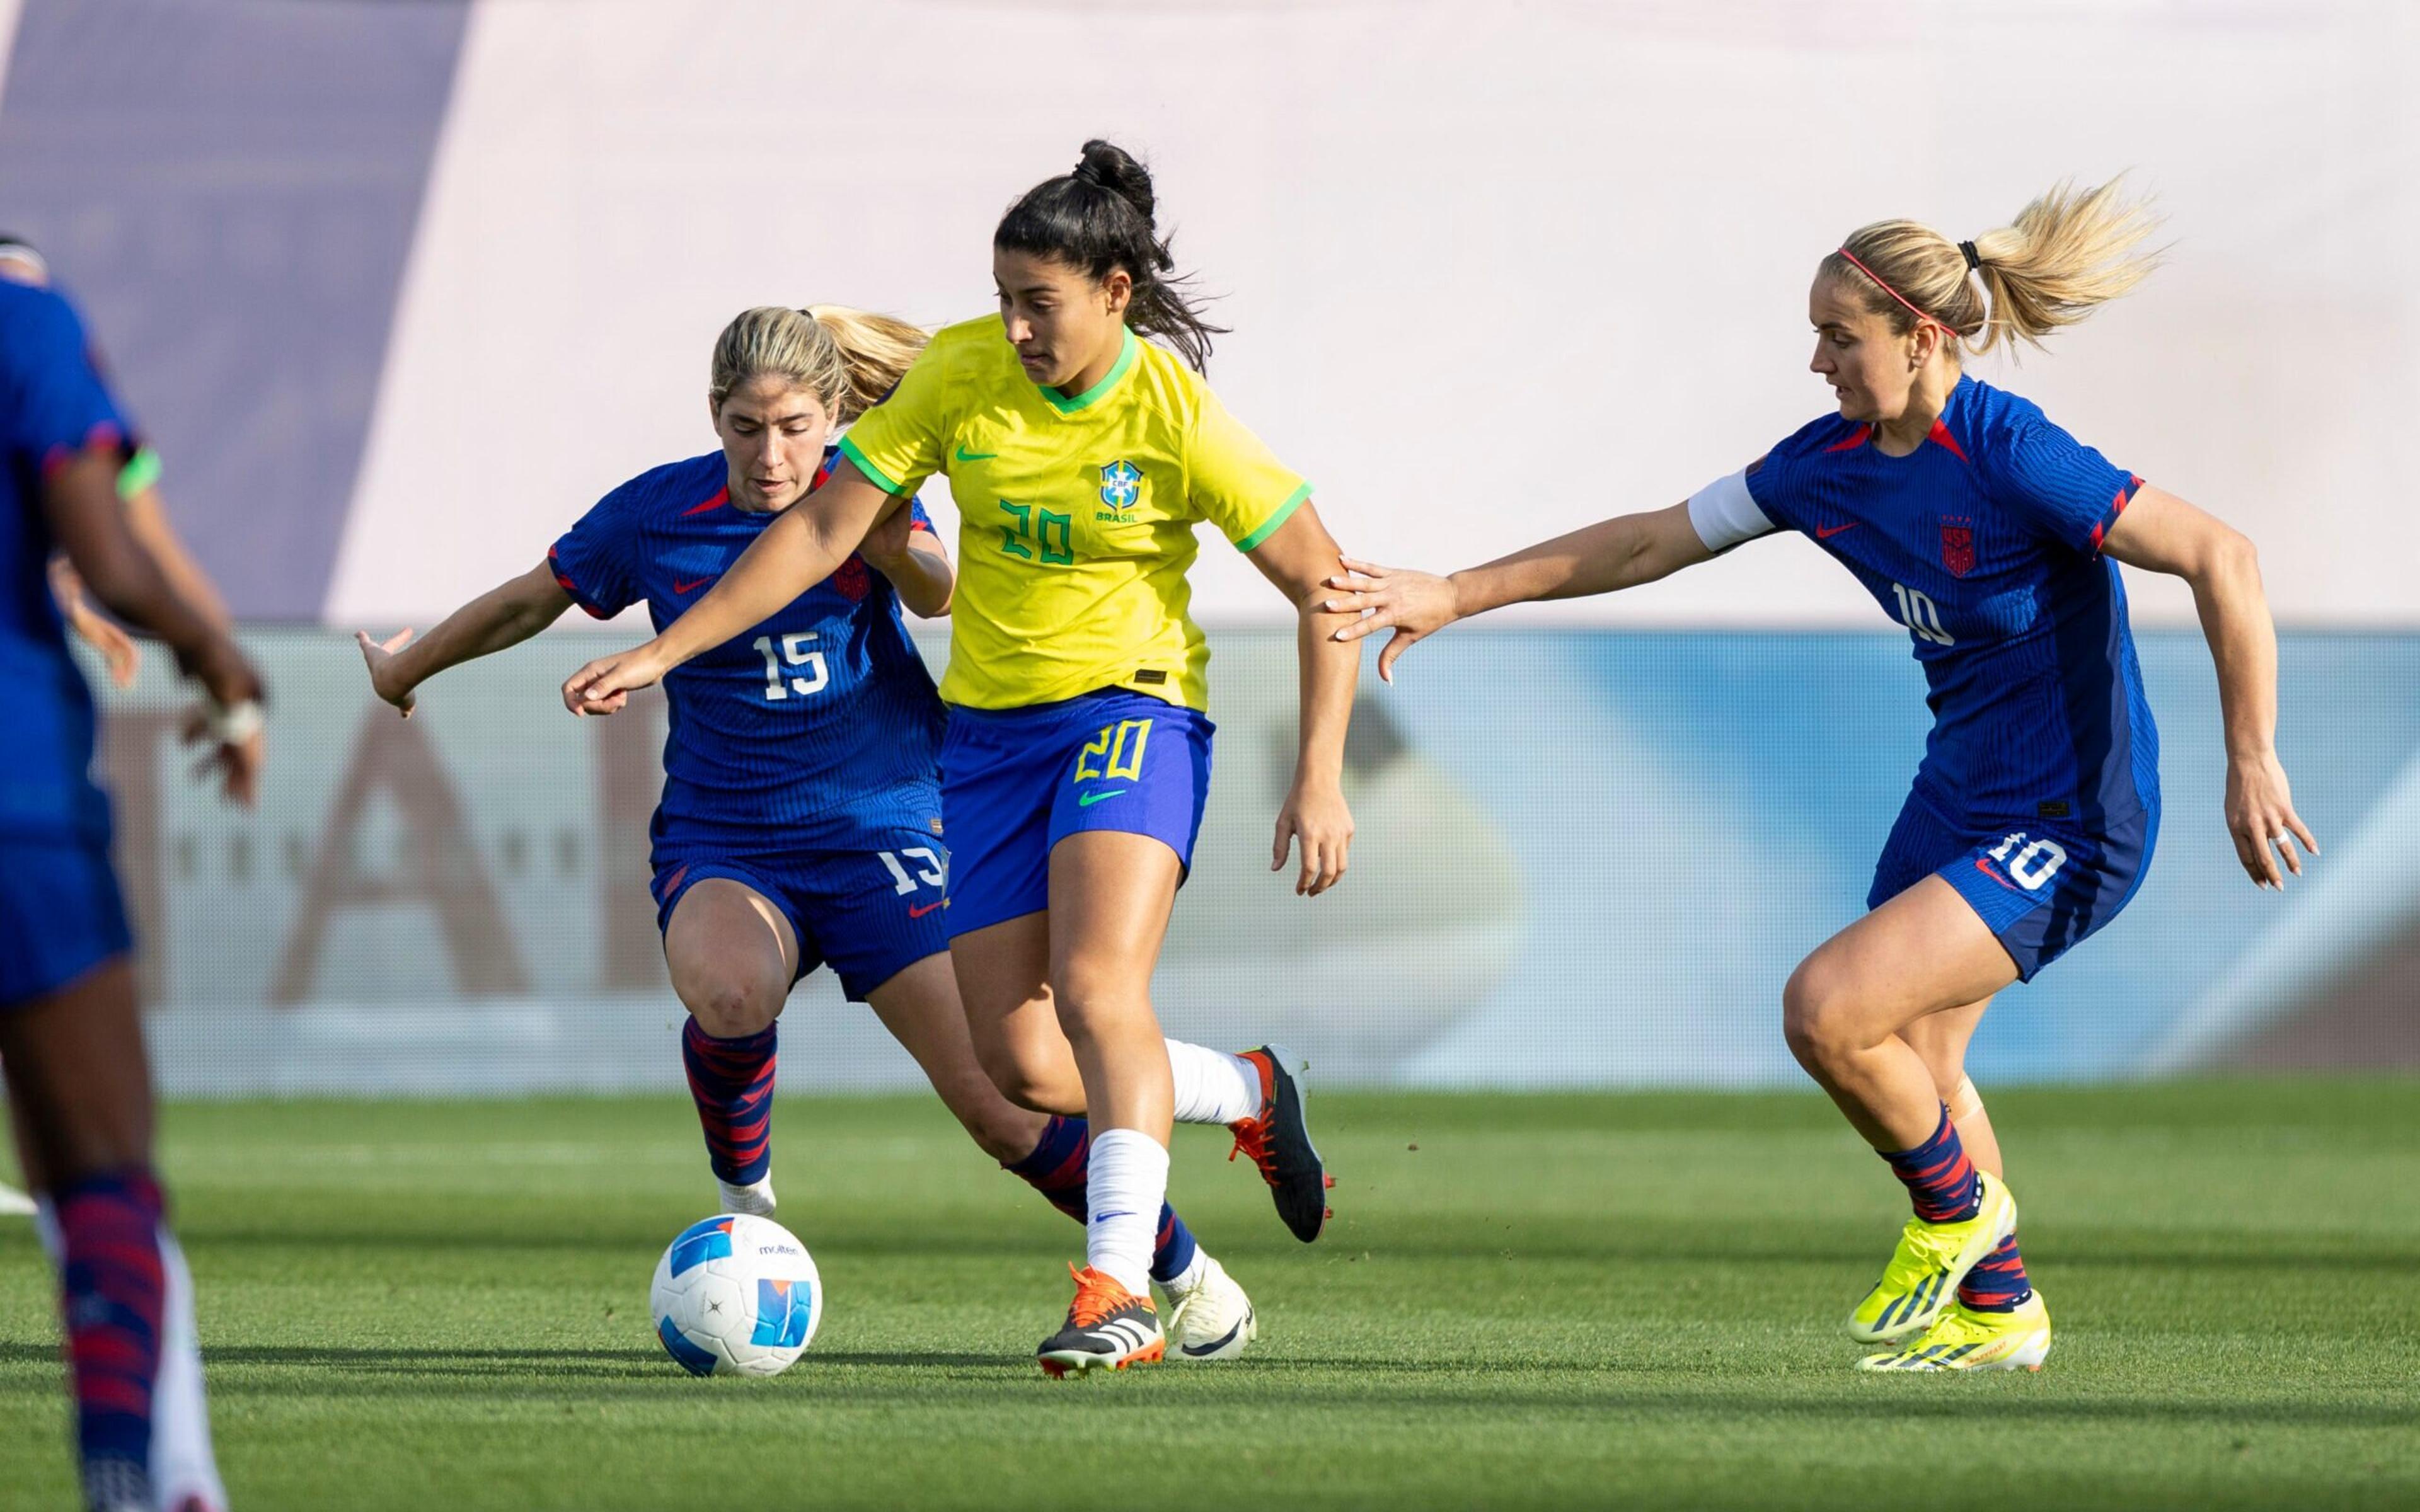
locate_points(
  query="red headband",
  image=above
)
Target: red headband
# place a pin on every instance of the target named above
(1902, 298)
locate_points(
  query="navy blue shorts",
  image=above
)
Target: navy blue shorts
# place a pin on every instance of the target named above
(1014, 782)
(868, 913)
(2040, 887)
(61, 915)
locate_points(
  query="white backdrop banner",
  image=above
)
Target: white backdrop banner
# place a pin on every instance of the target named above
(402, 289)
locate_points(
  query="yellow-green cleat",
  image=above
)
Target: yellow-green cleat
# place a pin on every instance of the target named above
(1965, 1339)
(1921, 1280)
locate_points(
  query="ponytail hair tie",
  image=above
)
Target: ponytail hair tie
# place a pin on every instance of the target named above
(1974, 263)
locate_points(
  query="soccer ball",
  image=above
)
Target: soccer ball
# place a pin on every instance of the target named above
(735, 1295)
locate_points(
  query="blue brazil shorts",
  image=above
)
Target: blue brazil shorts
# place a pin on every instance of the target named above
(1014, 782)
(2040, 887)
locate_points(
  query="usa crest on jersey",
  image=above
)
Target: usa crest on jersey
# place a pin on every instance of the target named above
(1957, 545)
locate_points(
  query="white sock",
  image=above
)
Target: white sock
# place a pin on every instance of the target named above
(1211, 1086)
(1186, 1280)
(1122, 1191)
(183, 1466)
(755, 1199)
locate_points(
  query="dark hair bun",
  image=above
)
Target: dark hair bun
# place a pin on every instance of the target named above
(1114, 168)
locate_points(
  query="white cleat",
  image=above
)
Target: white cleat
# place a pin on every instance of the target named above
(1212, 1319)
(754, 1201)
(15, 1204)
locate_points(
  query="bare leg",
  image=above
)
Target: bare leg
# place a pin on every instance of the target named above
(1110, 896)
(1941, 1040)
(919, 1007)
(1921, 953)
(1003, 974)
(79, 1085)
(733, 957)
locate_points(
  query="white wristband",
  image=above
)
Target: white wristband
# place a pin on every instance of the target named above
(232, 725)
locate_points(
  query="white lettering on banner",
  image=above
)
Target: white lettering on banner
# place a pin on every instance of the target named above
(443, 868)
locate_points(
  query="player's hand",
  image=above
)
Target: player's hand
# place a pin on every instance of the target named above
(380, 654)
(118, 651)
(885, 547)
(228, 722)
(1414, 605)
(2261, 818)
(1315, 812)
(121, 656)
(603, 687)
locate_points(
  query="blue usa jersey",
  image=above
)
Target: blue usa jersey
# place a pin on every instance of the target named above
(54, 405)
(1985, 543)
(809, 731)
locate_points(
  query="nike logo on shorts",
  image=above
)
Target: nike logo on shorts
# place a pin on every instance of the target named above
(914, 912)
(1085, 800)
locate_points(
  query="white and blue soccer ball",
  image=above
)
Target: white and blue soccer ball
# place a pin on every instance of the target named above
(736, 1295)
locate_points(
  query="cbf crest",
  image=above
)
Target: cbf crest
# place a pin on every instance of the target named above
(1121, 490)
(1957, 545)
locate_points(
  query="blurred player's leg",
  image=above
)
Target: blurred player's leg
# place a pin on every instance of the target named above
(733, 956)
(80, 1085)
(1920, 954)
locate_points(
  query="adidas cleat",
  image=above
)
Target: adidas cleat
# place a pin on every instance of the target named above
(1279, 1141)
(1214, 1320)
(1965, 1339)
(1109, 1328)
(1923, 1277)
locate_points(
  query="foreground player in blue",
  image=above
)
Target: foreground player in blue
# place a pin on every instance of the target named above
(71, 1036)
(1987, 531)
(800, 822)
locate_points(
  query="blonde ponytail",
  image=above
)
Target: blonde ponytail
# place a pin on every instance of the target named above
(848, 359)
(2069, 250)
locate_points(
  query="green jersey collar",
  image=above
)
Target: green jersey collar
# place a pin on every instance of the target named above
(1067, 406)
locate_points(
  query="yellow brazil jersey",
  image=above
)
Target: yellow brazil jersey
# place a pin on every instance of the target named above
(1077, 515)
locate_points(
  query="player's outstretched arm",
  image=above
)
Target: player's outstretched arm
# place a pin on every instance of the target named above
(87, 521)
(2160, 533)
(1604, 558)
(505, 615)
(1297, 557)
(799, 549)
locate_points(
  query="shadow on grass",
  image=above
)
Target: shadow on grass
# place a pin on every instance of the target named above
(499, 1362)
(1642, 1395)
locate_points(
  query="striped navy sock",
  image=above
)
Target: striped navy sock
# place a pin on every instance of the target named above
(1939, 1177)
(732, 1083)
(1997, 1283)
(1056, 1168)
(113, 1288)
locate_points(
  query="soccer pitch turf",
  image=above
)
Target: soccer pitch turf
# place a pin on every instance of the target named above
(1523, 1302)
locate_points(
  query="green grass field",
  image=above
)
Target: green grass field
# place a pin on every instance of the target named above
(1524, 1301)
